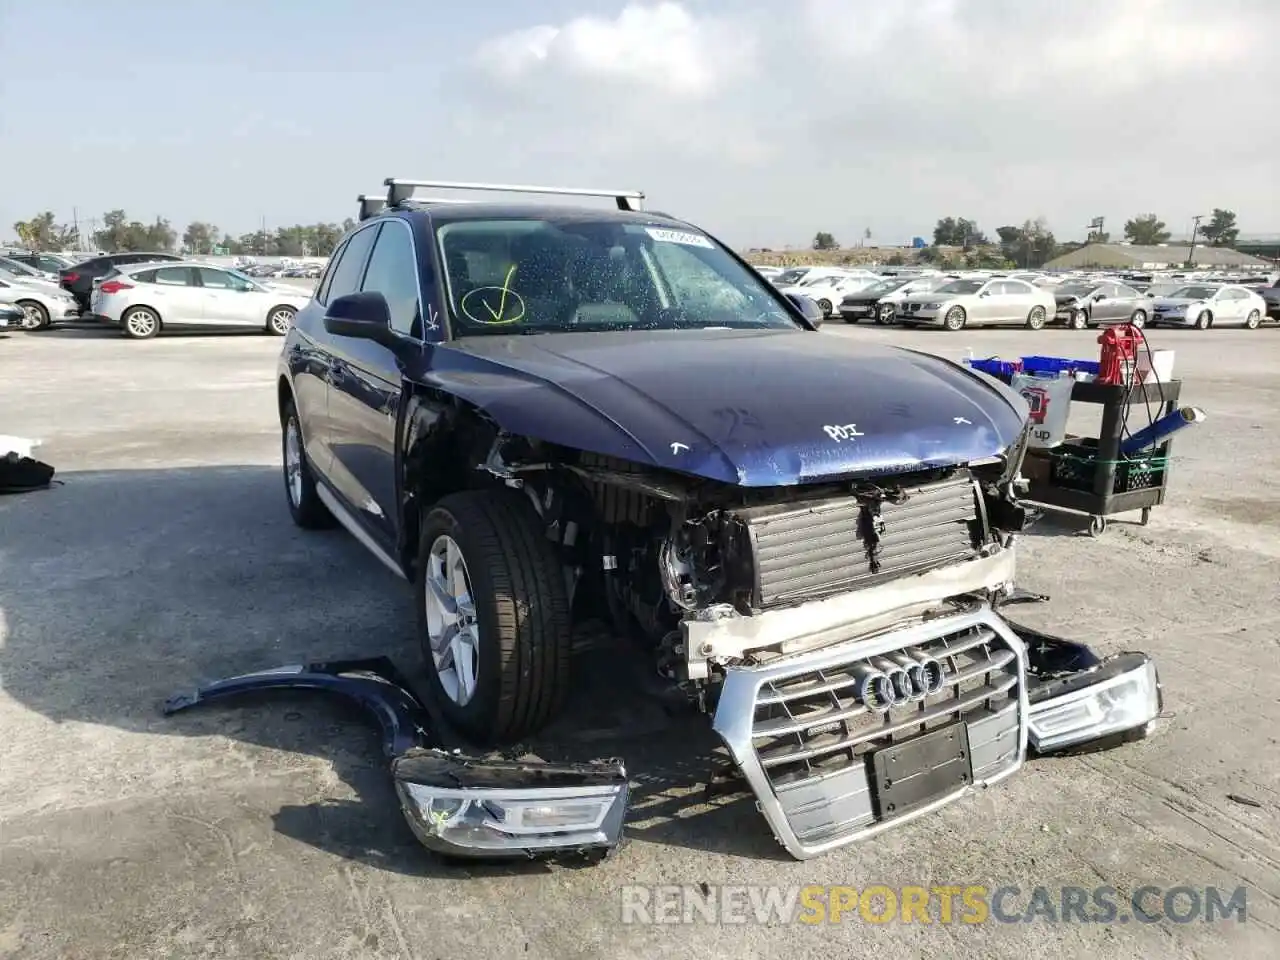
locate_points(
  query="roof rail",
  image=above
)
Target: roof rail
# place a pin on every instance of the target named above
(370, 205)
(398, 191)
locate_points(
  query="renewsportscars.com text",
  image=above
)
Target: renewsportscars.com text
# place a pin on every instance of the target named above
(958, 904)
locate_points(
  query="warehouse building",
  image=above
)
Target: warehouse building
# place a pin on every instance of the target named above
(1124, 256)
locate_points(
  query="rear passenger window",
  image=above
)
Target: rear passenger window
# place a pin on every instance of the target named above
(350, 269)
(174, 276)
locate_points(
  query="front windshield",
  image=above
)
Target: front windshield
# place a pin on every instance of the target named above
(1194, 293)
(884, 286)
(16, 269)
(961, 286)
(549, 276)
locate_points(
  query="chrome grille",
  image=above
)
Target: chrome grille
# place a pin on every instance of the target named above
(808, 550)
(811, 740)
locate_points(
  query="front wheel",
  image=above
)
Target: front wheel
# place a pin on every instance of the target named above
(493, 615)
(1204, 321)
(955, 319)
(1139, 319)
(1036, 318)
(1079, 320)
(280, 319)
(825, 306)
(884, 315)
(305, 506)
(1253, 320)
(34, 315)
(140, 323)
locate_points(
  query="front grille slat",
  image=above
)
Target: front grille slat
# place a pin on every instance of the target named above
(819, 549)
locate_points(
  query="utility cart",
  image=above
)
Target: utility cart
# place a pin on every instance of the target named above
(1088, 474)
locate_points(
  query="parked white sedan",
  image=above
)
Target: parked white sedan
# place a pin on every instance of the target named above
(142, 299)
(976, 302)
(1205, 305)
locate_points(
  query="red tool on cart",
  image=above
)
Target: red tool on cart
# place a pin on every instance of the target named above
(1119, 356)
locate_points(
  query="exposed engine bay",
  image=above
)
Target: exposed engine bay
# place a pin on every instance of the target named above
(670, 552)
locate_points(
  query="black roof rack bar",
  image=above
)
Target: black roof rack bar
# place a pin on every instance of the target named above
(371, 205)
(398, 191)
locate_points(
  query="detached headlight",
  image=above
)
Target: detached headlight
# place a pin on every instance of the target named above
(465, 807)
(1121, 696)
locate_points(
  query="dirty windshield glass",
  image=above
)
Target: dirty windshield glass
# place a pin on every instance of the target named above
(547, 276)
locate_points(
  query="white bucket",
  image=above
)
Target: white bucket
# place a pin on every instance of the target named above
(1155, 367)
(1050, 402)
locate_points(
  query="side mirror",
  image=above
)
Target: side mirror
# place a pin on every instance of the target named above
(1099, 296)
(808, 308)
(364, 316)
(984, 293)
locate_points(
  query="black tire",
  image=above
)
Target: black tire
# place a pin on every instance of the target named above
(305, 506)
(825, 306)
(955, 319)
(37, 317)
(140, 323)
(521, 608)
(1252, 321)
(1079, 320)
(1139, 319)
(884, 314)
(1204, 321)
(276, 319)
(1037, 318)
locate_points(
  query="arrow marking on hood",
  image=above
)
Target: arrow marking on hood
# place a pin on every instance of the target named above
(677, 447)
(960, 420)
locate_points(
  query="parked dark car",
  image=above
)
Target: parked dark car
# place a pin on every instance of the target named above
(1271, 294)
(1081, 305)
(542, 415)
(78, 280)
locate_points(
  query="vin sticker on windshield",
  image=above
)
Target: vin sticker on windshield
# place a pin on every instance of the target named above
(679, 236)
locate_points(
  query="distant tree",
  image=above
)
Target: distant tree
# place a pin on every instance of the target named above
(1146, 231)
(1098, 236)
(42, 232)
(1221, 230)
(896, 260)
(824, 241)
(957, 232)
(200, 238)
(866, 234)
(1028, 246)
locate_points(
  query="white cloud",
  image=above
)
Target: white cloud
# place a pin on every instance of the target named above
(768, 122)
(663, 48)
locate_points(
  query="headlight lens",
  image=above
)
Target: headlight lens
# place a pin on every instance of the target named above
(932, 306)
(1120, 703)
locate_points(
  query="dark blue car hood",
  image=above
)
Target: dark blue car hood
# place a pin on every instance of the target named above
(753, 408)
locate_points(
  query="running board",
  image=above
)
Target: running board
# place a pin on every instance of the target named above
(344, 517)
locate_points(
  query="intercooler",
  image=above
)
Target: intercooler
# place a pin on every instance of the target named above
(831, 763)
(809, 550)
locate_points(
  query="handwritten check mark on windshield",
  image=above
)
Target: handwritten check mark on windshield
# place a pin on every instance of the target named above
(505, 290)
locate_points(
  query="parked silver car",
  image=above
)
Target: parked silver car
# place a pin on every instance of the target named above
(143, 299)
(1205, 305)
(978, 302)
(40, 303)
(1086, 303)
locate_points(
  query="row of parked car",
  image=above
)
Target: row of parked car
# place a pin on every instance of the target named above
(145, 293)
(957, 301)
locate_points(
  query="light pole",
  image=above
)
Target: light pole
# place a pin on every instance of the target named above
(1095, 229)
(1191, 250)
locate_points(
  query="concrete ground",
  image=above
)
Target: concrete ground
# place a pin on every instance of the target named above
(268, 830)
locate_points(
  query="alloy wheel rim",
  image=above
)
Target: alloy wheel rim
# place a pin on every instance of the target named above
(452, 628)
(293, 461)
(280, 321)
(31, 318)
(141, 324)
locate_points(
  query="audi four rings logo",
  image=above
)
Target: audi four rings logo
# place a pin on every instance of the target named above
(898, 679)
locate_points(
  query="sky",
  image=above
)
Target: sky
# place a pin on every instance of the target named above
(763, 122)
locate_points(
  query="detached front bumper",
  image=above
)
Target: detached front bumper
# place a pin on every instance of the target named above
(827, 766)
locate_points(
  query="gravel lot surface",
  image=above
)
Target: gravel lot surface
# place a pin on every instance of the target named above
(269, 830)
